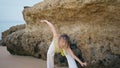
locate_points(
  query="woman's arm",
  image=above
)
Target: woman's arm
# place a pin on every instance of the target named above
(52, 28)
(75, 57)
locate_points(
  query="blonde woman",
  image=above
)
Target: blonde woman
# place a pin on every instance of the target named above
(61, 43)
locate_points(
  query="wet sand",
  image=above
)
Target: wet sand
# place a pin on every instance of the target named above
(13, 61)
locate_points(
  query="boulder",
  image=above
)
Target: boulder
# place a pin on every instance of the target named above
(93, 26)
(0, 42)
(12, 29)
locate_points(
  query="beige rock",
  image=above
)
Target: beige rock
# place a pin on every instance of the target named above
(93, 26)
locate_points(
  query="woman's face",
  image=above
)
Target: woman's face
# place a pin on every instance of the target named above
(62, 43)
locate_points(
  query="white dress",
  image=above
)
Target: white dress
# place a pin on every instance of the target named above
(51, 52)
(70, 59)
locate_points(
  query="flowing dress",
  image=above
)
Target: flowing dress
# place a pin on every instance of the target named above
(53, 48)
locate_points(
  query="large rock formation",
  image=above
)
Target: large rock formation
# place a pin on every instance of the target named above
(93, 26)
(11, 30)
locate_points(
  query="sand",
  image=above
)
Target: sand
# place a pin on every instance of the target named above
(13, 61)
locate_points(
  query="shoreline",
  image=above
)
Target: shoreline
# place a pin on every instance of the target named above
(14, 61)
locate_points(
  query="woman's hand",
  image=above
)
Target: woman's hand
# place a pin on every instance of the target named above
(83, 64)
(43, 21)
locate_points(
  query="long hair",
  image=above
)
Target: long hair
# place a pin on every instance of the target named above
(66, 38)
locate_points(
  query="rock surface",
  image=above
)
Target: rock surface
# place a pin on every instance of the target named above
(10, 31)
(93, 26)
(0, 42)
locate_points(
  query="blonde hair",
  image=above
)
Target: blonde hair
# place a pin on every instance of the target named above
(66, 38)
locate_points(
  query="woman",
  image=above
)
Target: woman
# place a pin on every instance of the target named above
(61, 44)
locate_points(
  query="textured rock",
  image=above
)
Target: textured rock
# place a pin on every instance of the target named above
(0, 42)
(93, 26)
(9, 32)
(12, 29)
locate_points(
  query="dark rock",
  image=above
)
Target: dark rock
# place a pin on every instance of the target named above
(9, 32)
(0, 42)
(26, 7)
(12, 29)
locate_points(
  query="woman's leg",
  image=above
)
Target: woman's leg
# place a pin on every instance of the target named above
(50, 56)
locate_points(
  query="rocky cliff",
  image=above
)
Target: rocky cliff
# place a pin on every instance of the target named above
(93, 26)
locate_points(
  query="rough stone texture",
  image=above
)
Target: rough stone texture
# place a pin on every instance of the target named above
(0, 42)
(93, 26)
(12, 29)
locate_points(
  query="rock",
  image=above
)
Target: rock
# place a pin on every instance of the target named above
(14, 43)
(0, 42)
(92, 25)
(12, 29)
(9, 32)
(26, 7)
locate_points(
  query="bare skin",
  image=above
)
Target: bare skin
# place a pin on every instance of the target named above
(63, 44)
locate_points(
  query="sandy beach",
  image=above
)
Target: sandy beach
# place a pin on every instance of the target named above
(13, 61)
